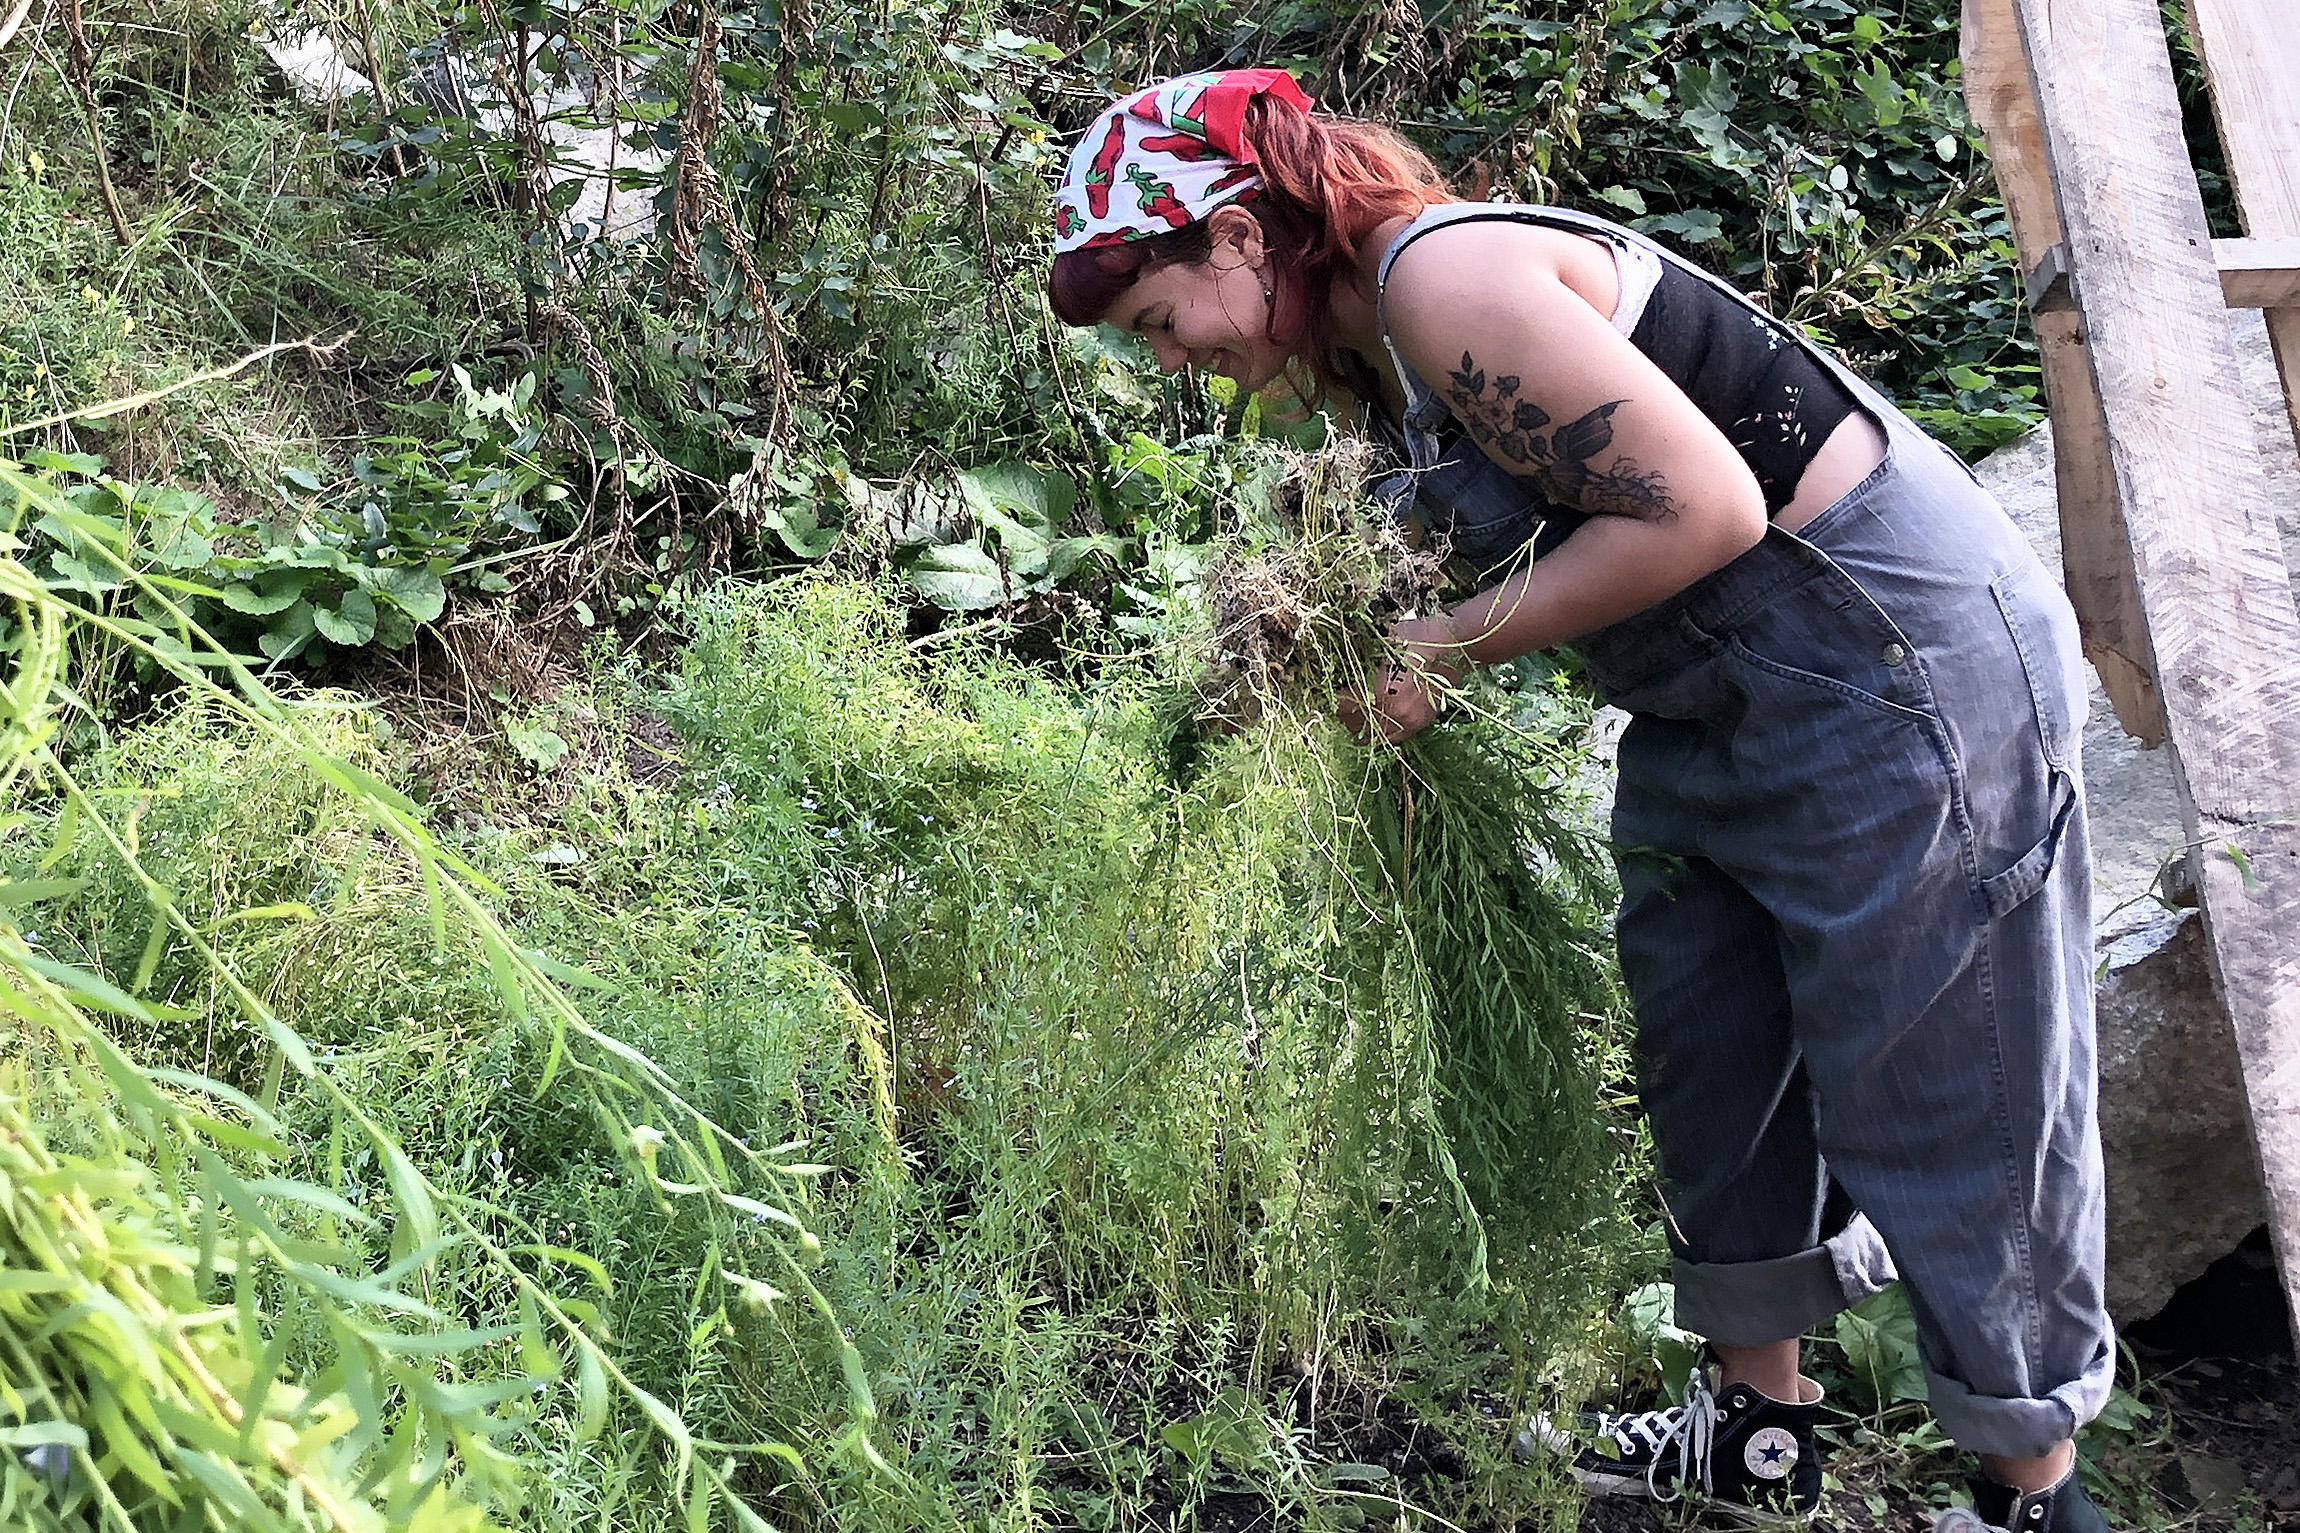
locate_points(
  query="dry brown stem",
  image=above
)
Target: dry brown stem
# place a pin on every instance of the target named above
(698, 201)
(80, 64)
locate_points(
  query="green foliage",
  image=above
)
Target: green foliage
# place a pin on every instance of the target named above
(962, 1124)
(249, 1298)
(1879, 1338)
(1126, 1042)
(855, 274)
(135, 1402)
(345, 565)
(1816, 151)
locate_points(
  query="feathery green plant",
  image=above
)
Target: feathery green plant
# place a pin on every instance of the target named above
(116, 1352)
(1462, 903)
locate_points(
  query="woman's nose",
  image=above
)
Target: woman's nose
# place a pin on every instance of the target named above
(1171, 355)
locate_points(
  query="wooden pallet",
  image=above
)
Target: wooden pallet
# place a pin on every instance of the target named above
(2168, 531)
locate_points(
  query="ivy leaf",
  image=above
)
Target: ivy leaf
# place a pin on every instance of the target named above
(1700, 226)
(1469, 378)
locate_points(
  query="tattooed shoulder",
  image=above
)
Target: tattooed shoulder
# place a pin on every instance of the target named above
(1559, 459)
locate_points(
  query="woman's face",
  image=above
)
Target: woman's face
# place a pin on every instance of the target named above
(1211, 315)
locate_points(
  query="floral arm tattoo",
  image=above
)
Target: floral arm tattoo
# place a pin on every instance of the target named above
(1493, 413)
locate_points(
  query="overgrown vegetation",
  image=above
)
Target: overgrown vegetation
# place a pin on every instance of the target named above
(832, 308)
(826, 1048)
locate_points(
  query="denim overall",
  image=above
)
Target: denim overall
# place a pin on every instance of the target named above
(1856, 920)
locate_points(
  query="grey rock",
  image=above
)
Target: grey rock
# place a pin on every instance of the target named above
(314, 68)
(2183, 1188)
(581, 145)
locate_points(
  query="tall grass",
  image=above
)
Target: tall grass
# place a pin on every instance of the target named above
(244, 1301)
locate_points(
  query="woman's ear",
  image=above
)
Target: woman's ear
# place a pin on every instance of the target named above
(1236, 235)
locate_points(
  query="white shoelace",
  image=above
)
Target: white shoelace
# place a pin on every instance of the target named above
(1690, 1425)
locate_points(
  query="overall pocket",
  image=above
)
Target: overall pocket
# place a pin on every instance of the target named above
(2007, 891)
(2042, 629)
(1830, 635)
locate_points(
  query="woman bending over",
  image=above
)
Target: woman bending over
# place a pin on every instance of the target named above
(1855, 919)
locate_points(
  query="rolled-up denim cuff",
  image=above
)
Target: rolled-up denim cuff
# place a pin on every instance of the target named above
(2021, 1428)
(1748, 1304)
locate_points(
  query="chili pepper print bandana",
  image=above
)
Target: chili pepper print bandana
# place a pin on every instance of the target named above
(1164, 157)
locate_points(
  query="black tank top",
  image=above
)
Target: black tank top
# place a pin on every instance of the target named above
(1774, 401)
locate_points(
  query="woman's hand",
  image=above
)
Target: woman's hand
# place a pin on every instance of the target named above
(1408, 691)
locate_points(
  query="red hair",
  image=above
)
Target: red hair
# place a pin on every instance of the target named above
(1327, 184)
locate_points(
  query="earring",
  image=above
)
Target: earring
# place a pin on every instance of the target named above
(1269, 295)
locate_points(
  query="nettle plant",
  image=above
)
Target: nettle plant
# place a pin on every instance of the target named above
(360, 558)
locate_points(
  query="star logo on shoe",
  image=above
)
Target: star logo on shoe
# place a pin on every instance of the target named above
(1770, 1453)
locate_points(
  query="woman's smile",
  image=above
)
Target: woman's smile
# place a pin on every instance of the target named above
(1211, 317)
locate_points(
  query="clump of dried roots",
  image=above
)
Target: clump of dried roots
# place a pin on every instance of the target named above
(1297, 623)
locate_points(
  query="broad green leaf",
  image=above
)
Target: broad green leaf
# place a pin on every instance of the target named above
(590, 1394)
(1065, 555)
(1021, 545)
(26, 891)
(958, 577)
(1036, 499)
(180, 548)
(799, 525)
(290, 630)
(92, 991)
(1879, 1336)
(418, 1222)
(351, 622)
(417, 592)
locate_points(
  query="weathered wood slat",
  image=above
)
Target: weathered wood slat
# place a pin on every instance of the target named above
(2094, 558)
(2223, 632)
(2254, 274)
(2250, 50)
(2260, 273)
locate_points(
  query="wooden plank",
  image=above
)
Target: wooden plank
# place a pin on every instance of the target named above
(2223, 630)
(2259, 273)
(2095, 562)
(2254, 274)
(2250, 50)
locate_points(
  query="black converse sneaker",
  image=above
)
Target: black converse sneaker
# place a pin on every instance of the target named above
(2065, 1508)
(1751, 1455)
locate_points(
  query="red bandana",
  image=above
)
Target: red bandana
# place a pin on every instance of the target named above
(1164, 157)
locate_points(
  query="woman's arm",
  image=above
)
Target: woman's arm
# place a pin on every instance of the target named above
(1551, 391)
